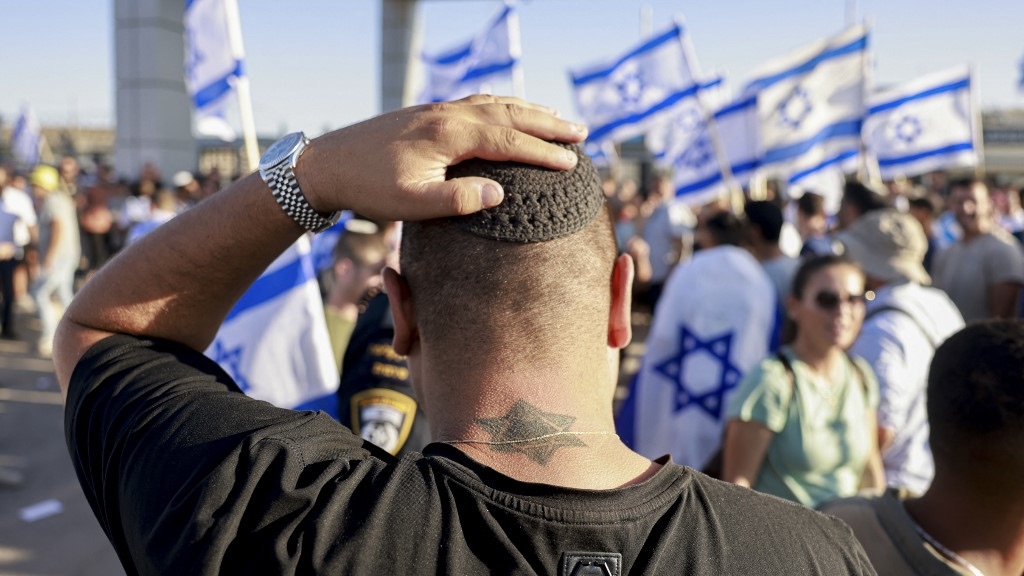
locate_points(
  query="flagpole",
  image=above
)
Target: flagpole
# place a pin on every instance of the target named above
(977, 132)
(414, 62)
(252, 149)
(515, 48)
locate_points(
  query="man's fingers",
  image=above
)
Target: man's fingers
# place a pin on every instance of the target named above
(458, 197)
(501, 144)
(478, 99)
(536, 122)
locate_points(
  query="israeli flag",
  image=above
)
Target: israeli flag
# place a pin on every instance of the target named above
(628, 95)
(812, 104)
(686, 146)
(714, 322)
(213, 64)
(924, 125)
(26, 138)
(492, 55)
(274, 342)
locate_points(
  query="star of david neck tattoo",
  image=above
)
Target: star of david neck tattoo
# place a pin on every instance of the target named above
(529, 431)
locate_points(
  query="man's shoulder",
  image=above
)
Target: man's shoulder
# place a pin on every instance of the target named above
(749, 511)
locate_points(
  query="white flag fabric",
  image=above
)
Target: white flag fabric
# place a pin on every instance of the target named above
(624, 97)
(714, 322)
(602, 154)
(213, 64)
(924, 125)
(274, 342)
(696, 169)
(812, 104)
(26, 139)
(466, 69)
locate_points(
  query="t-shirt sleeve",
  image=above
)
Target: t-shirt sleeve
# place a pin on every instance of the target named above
(895, 381)
(1004, 262)
(764, 396)
(171, 455)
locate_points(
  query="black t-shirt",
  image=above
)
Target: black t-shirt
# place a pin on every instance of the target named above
(189, 476)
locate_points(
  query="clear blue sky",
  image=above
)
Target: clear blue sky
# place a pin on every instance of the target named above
(314, 65)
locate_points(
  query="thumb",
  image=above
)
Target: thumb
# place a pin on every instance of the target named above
(461, 196)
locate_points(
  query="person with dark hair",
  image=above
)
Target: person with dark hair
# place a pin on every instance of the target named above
(984, 271)
(925, 209)
(904, 324)
(971, 519)
(764, 223)
(668, 234)
(515, 369)
(718, 229)
(358, 262)
(812, 224)
(802, 424)
(858, 200)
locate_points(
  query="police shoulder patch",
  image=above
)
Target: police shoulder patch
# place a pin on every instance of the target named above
(383, 417)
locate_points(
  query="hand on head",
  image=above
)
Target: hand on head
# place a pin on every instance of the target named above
(393, 166)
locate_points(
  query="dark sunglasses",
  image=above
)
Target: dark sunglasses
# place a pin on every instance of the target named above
(830, 301)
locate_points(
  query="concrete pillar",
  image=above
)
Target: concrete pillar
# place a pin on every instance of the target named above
(398, 32)
(154, 114)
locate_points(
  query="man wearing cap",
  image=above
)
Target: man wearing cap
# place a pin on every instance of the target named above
(516, 368)
(903, 325)
(59, 251)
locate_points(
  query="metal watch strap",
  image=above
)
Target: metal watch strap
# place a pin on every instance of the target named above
(285, 188)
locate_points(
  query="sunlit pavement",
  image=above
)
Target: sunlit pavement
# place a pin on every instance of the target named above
(46, 525)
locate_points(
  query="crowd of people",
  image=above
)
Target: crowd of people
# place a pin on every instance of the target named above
(60, 224)
(822, 359)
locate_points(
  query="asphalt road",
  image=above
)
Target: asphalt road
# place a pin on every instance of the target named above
(46, 525)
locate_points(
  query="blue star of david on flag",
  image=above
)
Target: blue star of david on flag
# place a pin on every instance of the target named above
(907, 129)
(698, 154)
(795, 108)
(718, 347)
(630, 87)
(231, 360)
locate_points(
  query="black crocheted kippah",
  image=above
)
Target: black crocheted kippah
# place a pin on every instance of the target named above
(540, 204)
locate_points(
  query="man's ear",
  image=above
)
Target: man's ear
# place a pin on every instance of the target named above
(620, 328)
(400, 297)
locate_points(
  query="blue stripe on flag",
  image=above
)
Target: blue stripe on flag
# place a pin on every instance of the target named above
(897, 160)
(736, 107)
(857, 45)
(741, 168)
(481, 72)
(951, 87)
(188, 4)
(452, 57)
(274, 284)
(837, 130)
(603, 131)
(838, 158)
(699, 185)
(217, 89)
(674, 33)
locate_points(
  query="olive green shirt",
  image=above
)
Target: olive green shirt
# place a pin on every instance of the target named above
(822, 439)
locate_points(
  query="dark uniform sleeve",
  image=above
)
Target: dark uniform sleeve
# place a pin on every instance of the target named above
(375, 398)
(188, 476)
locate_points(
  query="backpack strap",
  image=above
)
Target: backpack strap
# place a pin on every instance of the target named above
(890, 308)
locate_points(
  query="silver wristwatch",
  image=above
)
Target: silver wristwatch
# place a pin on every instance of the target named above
(277, 167)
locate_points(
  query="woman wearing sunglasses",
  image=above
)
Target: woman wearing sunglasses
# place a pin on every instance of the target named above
(802, 425)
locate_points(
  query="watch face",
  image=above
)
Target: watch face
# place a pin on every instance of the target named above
(280, 150)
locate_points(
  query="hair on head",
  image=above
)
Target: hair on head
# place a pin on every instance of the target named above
(976, 393)
(726, 228)
(535, 269)
(862, 198)
(811, 204)
(807, 270)
(767, 217)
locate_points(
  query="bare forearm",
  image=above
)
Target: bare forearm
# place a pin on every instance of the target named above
(180, 281)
